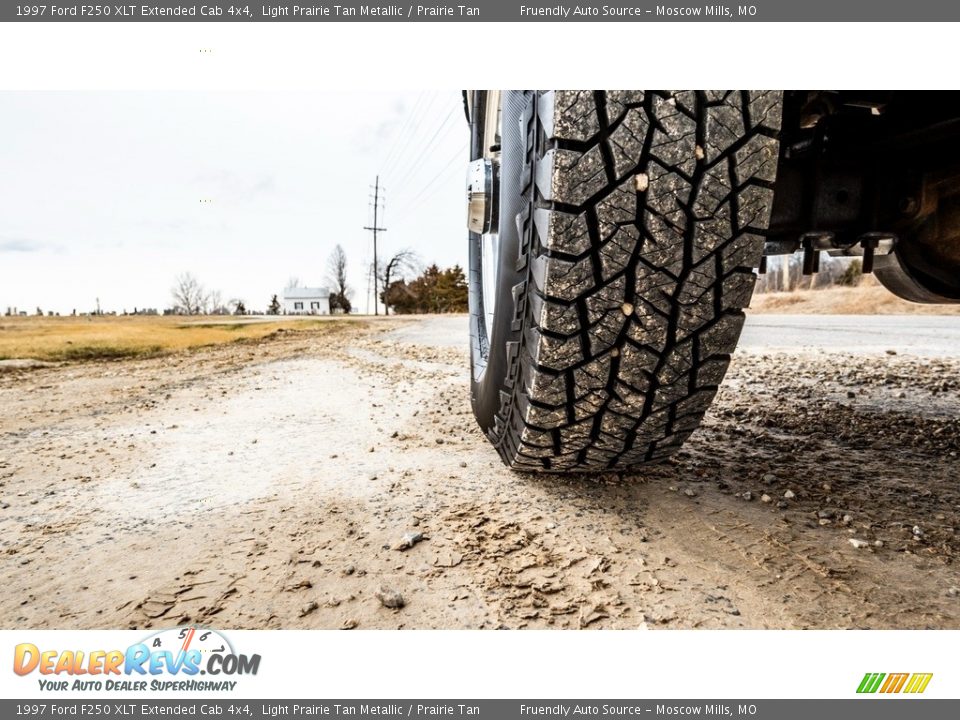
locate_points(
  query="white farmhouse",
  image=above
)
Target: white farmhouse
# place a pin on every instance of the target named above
(306, 301)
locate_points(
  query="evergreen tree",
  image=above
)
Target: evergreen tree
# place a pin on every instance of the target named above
(435, 291)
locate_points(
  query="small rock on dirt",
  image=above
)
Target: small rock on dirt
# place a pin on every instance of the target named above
(448, 559)
(858, 544)
(765, 498)
(409, 540)
(789, 494)
(390, 598)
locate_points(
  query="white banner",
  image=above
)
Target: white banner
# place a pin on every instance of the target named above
(469, 664)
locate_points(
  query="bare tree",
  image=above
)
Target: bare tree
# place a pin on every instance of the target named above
(403, 262)
(785, 274)
(337, 278)
(294, 282)
(215, 305)
(189, 296)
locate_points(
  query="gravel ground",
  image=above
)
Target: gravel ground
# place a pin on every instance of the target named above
(308, 482)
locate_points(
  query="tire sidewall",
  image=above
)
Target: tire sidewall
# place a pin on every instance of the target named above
(489, 358)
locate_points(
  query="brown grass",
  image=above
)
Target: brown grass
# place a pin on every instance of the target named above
(869, 298)
(106, 338)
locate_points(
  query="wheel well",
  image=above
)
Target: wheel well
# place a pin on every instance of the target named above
(860, 165)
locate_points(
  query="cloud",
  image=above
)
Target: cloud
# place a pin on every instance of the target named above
(22, 245)
(239, 187)
(376, 137)
(387, 128)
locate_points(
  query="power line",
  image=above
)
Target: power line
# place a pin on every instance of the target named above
(424, 151)
(420, 204)
(413, 205)
(421, 136)
(408, 142)
(375, 229)
(404, 128)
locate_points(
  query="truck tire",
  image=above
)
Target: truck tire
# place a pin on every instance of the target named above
(630, 223)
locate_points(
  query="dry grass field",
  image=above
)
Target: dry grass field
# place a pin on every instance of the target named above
(868, 298)
(56, 339)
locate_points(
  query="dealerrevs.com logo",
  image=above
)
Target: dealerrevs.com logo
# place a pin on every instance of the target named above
(910, 683)
(168, 660)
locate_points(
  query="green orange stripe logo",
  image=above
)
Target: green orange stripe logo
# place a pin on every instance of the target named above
(913, 683)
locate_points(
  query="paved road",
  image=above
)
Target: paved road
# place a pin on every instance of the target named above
(920, 335)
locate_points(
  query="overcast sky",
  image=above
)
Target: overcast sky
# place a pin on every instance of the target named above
(100, 193)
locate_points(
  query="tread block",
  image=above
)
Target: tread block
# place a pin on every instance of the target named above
(576, 176)
(569, 115)
(628, 140)
(562, 232)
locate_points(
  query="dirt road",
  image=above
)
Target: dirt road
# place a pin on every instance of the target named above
(271, 485)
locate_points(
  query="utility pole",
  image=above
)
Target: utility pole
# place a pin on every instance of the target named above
(375, 229)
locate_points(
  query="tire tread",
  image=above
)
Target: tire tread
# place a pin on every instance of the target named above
(646, 218)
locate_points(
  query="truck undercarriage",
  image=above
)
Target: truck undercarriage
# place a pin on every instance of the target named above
(877, 174)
